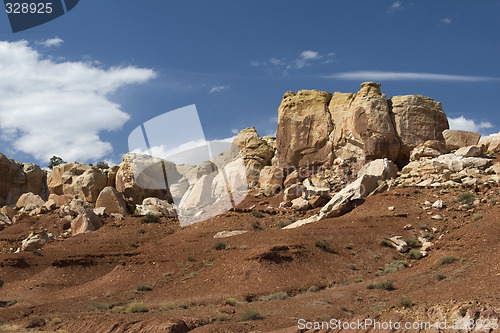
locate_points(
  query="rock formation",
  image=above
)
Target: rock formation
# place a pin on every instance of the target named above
(455, 139)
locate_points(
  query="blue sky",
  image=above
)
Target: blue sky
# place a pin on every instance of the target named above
(77, 86)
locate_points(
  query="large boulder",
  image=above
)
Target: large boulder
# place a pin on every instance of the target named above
(30, 201)
(455, 139)
(271, 180)
(429, 148)
(304, 126)
(86, 222)
(255, 152)
(417, 119)
(156, 207)
(141, 176)
(78, 180)
(112, 201)
(491, 143)
(18, 178)
(382, 168)
(362, 125)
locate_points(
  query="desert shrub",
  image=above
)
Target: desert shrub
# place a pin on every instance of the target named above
(313, 289)
(392, 267)
(423, 227)
(467, 198)
(231, 301)
(428, 236)
(477, 217)
(256, 225)
(150, 218)
(415, 254)
(191, 258)
(384, 285)
(220, 246)
(275, 296)
(405, 302)
(103, 306)
(143, 287)
(358, 280)
(137, 307)
(257, 214)
(251, 314)
(323, 244)
(353, 267)
(440, 276)
(55, 321)
(447, 260)
(385, 243)
(133, 244)
(283, 224)
(118, 309)
(412, 242)
(169, 306)
(222, 317)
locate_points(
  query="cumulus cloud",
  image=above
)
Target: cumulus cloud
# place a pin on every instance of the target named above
(462, 123)
(59, 108)
(406, 76)
(218, 89)
(445, 20)
(51, 42)
(305, 59)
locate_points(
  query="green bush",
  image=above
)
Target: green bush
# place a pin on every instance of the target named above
(415, 254)
(323, 244)
(251, 314)
(191, 258)
(358, 280)
(392, 267)
(220, 246)
(55, 161)
(257, 214)
(467, 198)
(412, 243)
(102, 165)
(447, 260)
(440, 276)
(150, 218)
(386, 243)
(231, 301)
(137, 307)
(384, 285)
(169, 306)
(405, 302)
(55, 321)
(477, 217)
(143, 287)
(283, 224)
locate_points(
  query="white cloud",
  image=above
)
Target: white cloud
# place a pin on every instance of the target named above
(304, 59)
(462, 123)
(273, 120)
(51, 42)
(59, 108)
(395, 6)
(400, 76)
(234, 131)
(445, 20)
(218, 89)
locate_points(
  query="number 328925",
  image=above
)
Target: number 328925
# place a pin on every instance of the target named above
(28, 8)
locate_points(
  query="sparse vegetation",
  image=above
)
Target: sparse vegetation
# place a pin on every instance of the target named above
(169, 306)
(256, 225)
(275, 296)
(55, 161)
(446, 260)
(137, 307)
(220, 246)
(467, 198)
(150, 218)
(385, 243)
(428, 235)
(283, 223)
(352, 267)
(423, 227)
(143, 287)
(118, 309)
(313, 289)
(231, 301)
(133, 244)
(102, 165)
(415, 254)
(55, 321)
(440, 276)
(405, 302)
(103, 306)
(324, 245)
(257, 214)
(384, 285)
(412, 243)
(477, 217)
(358, 280)
(191, 259)
(392, 267)
(251, 314)
(222, 317)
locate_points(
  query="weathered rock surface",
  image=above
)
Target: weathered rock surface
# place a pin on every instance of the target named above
(300, 204)
(382, 168)
(363, 128)
(255, 152)
(85, 223)
(271, 180)
(18, 178)
(491, 143)
(140, 177)
(304, 125)
(78, 180)
(429, 148)
(112, 201)
(156, 207)
(225, 233)
(455, 138)
(417, 119)
(4, 221)
(29, 201)
(36, 242)
(470, 151)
